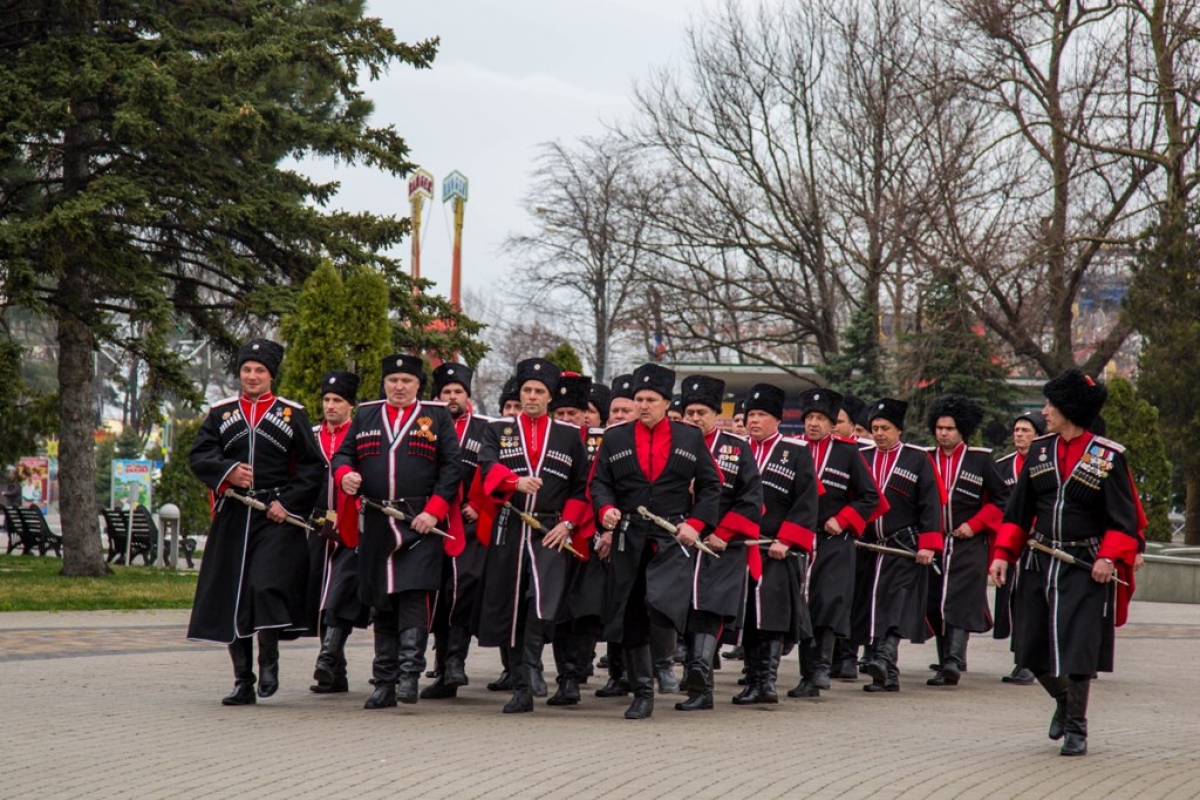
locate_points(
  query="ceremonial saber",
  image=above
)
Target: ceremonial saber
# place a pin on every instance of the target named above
(892, 551)
(667, 526)
(1067, 558)
(396, 513)
(536, 524)
(749, 542)
(258, 505)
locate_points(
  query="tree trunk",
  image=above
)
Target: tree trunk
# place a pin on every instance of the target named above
(82, 554)
(1191, 525)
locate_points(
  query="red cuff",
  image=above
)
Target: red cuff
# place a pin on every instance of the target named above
(734, 524)
(797, 536)
(575, 512)
(1118, 546)
(850, 520)
(1010, 541)
(500, 481)
(931, 541)
(988, 518)
(437, 506)
(340, 473)
(600, 516)
(697, 525)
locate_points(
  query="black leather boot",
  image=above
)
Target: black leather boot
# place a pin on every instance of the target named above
(412, 663)
(954, 659)
(458, 643)
(844, 666)
(823, 661)
(1075, 743)
(701, 650)
(940, 641)
(330, 672)
(751, 694)
(735, 653)
(1056, 686)
(504, 683)
(885, 677)
(770, 656)
(568, 656)
(241, 652)
(662, 649)
(808, 664)
(537, 672)
(385, 669)
(1021, 676)
(523, 666)
(617, 685)
(639, 665)
(268, 662)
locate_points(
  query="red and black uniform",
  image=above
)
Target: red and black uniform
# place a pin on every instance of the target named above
(524, 584)
(255, 571)
(958, 603)
(339, 602)
(913, 521)
(409, 460)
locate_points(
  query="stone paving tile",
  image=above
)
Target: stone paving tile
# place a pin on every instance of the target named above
(133, 711)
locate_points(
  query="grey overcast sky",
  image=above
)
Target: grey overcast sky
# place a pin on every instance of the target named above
(508, 76)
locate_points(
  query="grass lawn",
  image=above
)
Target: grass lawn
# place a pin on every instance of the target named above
(32, 583)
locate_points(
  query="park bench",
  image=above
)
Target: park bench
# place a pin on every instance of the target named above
(27, 528)
(145, 537)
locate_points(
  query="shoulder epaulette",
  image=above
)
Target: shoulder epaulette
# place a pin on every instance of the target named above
(795, 440)
(987, 450)
(366, 403)
(564, 422)
(316, 428)
(596, 431)
(434, 403)
(618, 424)
(1044, 436)
(847, 439)
(1103, 440)
(862, 445)
(509, 419)
(483, 417)
(291, 403)
(226, 401)
(1008, 457)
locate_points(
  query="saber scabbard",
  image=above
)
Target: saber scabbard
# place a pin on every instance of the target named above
(891, 551)
(666, 525)
(259, 505)
(1067, 558)
(396, 513)
(536, 524)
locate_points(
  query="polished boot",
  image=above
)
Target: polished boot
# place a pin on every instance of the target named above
(885, 677)
(523, 665)
(770, 655)
(568, 655)
(617, 685)
(504, 683)
(385, 670)
(412, 663)
(844, 666)
(1056, 686)
(954, 659)
(823, 658)
(701, 650)
(662, 648)
(808, 663)
(751, 694)
(330, 672)
(458, 643)
(1075, 743)
(448, 667)
(537, 676)
(639, 666)
(940, 641)
(241, 652)
(268, 662)
(735, 653)
(1020, 676)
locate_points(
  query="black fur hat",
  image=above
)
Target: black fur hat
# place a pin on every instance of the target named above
(343, 384)
(966, 413)
(601, 397)
(1076, 396)
(572, 392)
(622, 387)
(264, 351)
(450, 372)
(823, 401)
(511, 391)
(656, 378)
(765, 397)
(538, 369)
(398, 363)
(703, 390)
(888, 408)
(1035, 419)
(856, 410)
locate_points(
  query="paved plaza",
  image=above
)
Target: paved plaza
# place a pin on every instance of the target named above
(118, 704)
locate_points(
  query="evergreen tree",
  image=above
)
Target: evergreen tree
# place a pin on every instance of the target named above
(314, 337)
(176, 483)
(368, 329)
(951, 354)
(1133, 422)
(142, 185)
(565, 358)
(858, 367)
(1164, 304)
